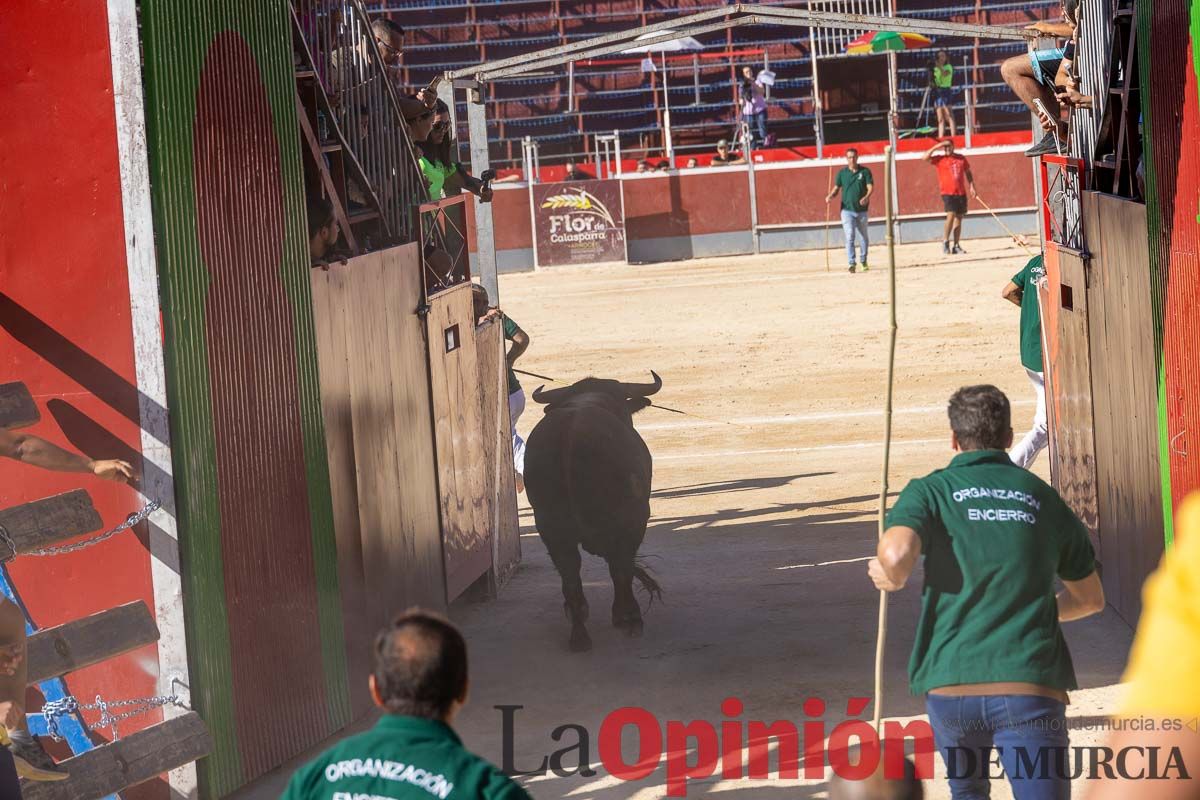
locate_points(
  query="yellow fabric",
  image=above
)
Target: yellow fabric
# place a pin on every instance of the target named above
(1165, 663)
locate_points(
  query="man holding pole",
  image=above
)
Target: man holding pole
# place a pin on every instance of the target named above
(856, 184)
(989, 652)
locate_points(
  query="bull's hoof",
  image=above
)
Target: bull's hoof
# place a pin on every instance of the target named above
(632, 626)
(580, 642)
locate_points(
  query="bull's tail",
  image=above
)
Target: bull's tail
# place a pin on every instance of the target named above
(648, 583)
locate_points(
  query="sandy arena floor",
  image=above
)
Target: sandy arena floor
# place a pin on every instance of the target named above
(764, 508)
(764, 503)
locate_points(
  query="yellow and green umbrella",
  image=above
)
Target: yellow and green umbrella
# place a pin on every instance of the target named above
(883, 41)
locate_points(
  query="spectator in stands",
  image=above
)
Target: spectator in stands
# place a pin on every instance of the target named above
(664, 166)
(942, 77)
(421, 124)
(954, 181)
(446, 176)
(724, 157)
(1162, 702)
(1032, 77)
(692, 163)
(643, 165)
(574, 173)
(856, 184)
(323, 230)
(420, 682)
(351, 71)
(754, 106)
(33, 762)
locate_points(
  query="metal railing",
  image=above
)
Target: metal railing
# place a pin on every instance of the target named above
(364, 102)
(1063, 182)
(445, 251)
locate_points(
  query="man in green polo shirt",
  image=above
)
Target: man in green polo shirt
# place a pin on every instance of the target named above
(516, 395)
(856, 184)
(989, 653)
(1022, 290)
(412, 753)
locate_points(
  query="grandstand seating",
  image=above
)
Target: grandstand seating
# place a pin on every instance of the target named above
(614, 94)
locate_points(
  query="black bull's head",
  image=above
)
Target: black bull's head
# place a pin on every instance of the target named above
(633, 395)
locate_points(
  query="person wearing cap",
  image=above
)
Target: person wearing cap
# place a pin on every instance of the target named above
(723, 155)
(412, 753)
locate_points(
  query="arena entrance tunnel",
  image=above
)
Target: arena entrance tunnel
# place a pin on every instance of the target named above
(763, 510)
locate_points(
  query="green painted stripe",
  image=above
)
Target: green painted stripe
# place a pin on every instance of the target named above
(1158, 269)
(176, 36)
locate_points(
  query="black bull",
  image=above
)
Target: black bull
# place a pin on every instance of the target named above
(587, 472)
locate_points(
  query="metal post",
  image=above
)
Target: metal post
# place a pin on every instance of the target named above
(696, 76)
(668, 147)
(485, 241)
(570, 87)
(617, 139)
(767, 66)
(527, 161)
(818, 119)
(968, 109)
(750, 179)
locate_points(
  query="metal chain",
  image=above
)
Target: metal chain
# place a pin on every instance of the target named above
(53, 710)
(6, 539)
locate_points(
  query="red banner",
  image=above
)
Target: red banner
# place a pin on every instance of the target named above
(581, 222)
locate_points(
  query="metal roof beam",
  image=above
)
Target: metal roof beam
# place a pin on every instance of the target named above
(530, 65)
(733, 16)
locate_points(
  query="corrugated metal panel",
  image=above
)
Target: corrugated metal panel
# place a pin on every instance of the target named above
(255, 519)
(1171, 115)
(1094, 53)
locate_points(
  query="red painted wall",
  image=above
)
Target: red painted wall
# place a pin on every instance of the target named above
(696, 203)
(65, 313)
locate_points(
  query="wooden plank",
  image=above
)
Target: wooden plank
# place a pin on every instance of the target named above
(33, 526)
(459, 433)
(416, 460)
(128, 761)
(498, 457)
(53, 652)
(1124, 388)
(17, 409)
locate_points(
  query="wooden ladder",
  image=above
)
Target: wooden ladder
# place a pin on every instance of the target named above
(58, 651)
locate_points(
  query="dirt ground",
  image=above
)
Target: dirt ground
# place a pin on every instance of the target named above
(765, 499)
(764, 507)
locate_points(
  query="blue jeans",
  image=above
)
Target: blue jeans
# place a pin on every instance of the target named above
(760, 122)
(855, 222)
(1027, 734)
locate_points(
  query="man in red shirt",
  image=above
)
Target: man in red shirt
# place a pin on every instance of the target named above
(954, 178)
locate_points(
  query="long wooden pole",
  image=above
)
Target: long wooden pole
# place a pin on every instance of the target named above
(889, 220)
(828, 192)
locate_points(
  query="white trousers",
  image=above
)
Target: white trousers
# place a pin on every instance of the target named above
(1026, 451)
(516, 407)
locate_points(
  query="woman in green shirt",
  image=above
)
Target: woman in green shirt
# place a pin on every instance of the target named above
(942, 75)
(444, 175)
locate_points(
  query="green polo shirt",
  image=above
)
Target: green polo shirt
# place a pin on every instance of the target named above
(994, 537)
(401, 758)
(510, 330)
(1031, 318)
(854, 186)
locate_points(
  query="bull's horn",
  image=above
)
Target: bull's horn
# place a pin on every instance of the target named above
(642, 389)
(540, 395)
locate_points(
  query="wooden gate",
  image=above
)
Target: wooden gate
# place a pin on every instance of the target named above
(1124, 396)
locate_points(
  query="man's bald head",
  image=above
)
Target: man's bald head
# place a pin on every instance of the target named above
(420, 666)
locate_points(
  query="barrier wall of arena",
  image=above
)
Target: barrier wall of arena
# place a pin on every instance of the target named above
(255, 517)
(379, 437)
(706, 212)
(1171, 123)
(79, 333)
(1121, 335)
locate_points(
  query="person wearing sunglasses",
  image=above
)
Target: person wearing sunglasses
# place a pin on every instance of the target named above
(444, 175)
